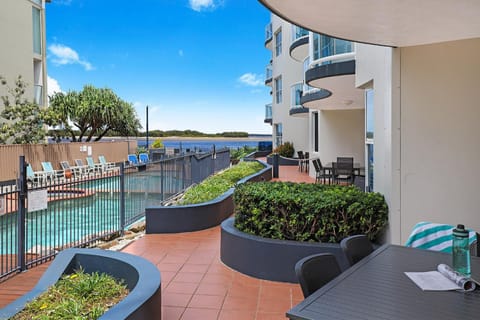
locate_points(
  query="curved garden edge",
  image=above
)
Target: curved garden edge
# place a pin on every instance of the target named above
(141, 277)
(269, 259)
(282, 161)
(197, 217)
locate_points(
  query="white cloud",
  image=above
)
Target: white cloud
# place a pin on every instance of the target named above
(62, 55)
(52, 86)
(251, 79)
(201, 5)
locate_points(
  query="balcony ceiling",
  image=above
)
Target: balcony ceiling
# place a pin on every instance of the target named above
(344, 94)
(385, 22)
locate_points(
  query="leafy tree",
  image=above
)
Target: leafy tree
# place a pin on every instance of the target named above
(22, 121)
(94, 112)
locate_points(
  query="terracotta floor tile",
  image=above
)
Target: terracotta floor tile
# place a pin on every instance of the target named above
(217, 278)
(201, 268)
(212, 289)
(242, 290)
(275, 292)
(174, 267)
(206, 301)
(271, 316)
(176, 299)
(194, 277)
(274, 305)
(200, 314)
(172, 313)
(240, 303)
(181, 287)
(236, 315)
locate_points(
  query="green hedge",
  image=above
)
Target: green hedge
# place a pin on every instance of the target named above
(308, 212)
(218, 184)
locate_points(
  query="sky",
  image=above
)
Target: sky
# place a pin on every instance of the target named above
(197, 64)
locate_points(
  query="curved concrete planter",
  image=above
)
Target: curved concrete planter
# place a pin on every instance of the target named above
(141, 277)
(269, 259)
(282, 161)
(200, 216)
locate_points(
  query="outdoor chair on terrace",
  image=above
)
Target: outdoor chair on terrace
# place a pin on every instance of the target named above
(343, 170)
(97, 168)
(84, 169)
(107, 166)
(314, 271)
(143, 157)
(133, 160)
(50, 173)
(356, 248)
(76, 172)
(301, 158)
(321, 174)
(35, 177)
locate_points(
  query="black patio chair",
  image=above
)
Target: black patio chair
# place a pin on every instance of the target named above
(343, 170)
(316, 270)
(321, 174)
(301, 158)
(356, 248)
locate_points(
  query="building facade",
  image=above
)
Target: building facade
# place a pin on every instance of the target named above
(23, 51)
(419, 69)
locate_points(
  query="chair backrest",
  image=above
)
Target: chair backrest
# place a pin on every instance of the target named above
(314, 271)
(438, 237)
(102, 159)
(79, 162)
(315, 165)
(47, 167)
(30, 173)
(356, 248)
(64, 165)
(90, 162)
(132, 158)
(307, 155)
(143, 157)
(300, 155)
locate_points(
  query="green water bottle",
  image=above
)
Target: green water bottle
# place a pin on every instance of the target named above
(461, 250)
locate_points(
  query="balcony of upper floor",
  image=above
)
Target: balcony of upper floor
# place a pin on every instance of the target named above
(299, 45)
(332, 69)
(268, 113)
(268, 36)
(296, 107)
(269, 74)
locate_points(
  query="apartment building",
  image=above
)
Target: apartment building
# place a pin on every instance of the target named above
(419, 69)
(289, 119)
(23, 49)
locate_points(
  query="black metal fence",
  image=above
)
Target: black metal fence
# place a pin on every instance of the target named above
(48, 212)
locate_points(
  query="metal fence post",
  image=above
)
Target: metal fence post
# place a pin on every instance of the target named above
(162, 178)
(22, 195)
(122, 198)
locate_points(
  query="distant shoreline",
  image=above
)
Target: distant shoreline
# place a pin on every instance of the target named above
(254, 138)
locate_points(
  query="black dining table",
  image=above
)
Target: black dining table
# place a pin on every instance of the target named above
(357, 169)
(377, 288)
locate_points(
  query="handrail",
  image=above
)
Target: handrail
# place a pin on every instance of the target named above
(333, 58)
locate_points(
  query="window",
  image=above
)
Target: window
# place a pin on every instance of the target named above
(369, 141)
(278, 134)
(278, 43)
(37, 34)
(278, 89)
(296, 95)
(325, 46)
(315, 131)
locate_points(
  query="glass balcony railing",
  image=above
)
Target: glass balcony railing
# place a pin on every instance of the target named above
(38, 94)
(268, 73)
(298, 32)
(268, 112)
(296, 92)
(268, 32)
(327, 50)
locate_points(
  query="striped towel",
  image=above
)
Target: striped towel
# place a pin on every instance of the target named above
(434, 236)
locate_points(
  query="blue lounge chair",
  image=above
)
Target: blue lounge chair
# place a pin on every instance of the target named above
(132, 159)
(143, 157)
(35, 177)
(107, 166)
(95, 167)
(51, 173)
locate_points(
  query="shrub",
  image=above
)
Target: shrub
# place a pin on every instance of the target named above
(237, 154)
(285, 150)
(308, 212)
(218, 184)
(157, 143)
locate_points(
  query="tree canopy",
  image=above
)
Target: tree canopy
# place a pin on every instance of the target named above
(93, 112)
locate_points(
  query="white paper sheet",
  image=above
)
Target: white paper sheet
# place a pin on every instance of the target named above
(432, 281)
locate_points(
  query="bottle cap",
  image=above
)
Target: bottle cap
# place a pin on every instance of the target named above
(460, 231)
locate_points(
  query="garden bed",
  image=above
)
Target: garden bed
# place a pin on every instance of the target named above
(194, 217)
(141, 277)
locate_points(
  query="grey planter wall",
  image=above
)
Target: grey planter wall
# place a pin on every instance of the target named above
(269, 259)
(283, 161)
(172, 219)
(141, 277)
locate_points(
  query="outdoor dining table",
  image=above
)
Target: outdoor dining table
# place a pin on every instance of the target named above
(377, 288)
(357, 169)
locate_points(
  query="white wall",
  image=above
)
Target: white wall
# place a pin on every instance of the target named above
(16, 39)
(295, 129)
(342, 135)
(440, 116)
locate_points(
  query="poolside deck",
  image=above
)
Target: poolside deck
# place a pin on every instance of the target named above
(195, 283)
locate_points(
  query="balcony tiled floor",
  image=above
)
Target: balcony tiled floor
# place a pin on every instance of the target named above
(195, 283)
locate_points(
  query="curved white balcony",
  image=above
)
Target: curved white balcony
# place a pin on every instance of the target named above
(268, 36)
(268, 113)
